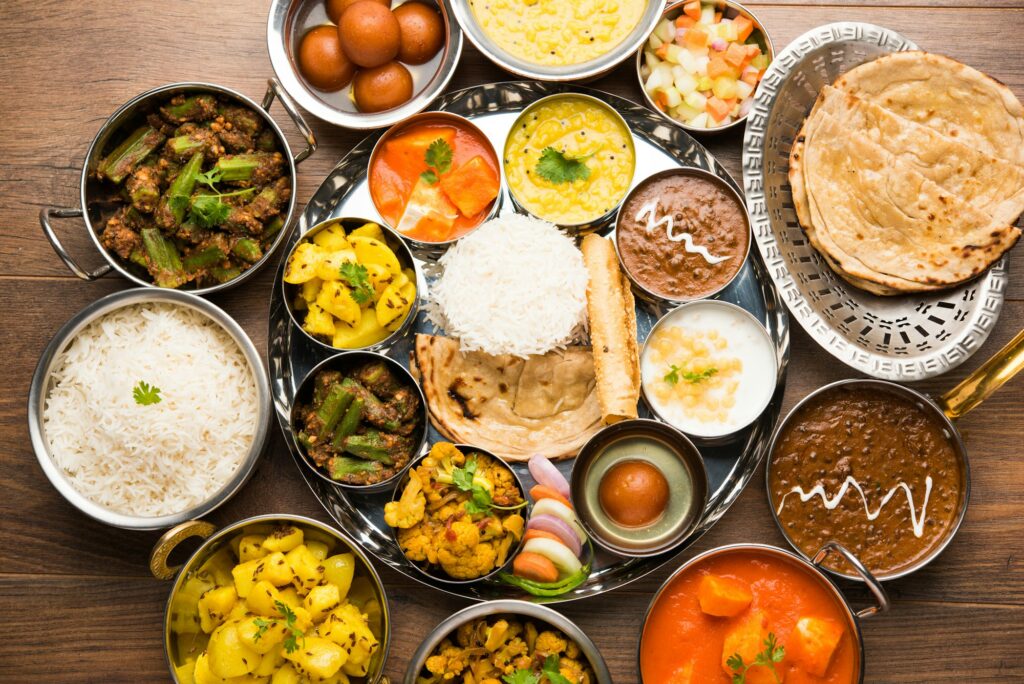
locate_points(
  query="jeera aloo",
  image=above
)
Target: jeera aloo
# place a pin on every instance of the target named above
(201, 186)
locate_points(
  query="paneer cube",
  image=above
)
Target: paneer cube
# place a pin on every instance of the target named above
(723, 596)
(746, 639)
(215, 606)
(471, 187)
(813, 644)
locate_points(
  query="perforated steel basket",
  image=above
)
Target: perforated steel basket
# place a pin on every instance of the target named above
(905, 338)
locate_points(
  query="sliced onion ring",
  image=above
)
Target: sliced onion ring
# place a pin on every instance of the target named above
(559, 528)
(545, 473)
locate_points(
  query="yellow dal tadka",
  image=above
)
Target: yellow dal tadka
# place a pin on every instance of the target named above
(556, 32)
(579, 129)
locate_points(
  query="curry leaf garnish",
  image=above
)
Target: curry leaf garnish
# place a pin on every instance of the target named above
(146, 394)
(358, 279)
(439, 160)
(291, 644)
(674, 375)
(554, 166)
(772, 653)
(551, 671)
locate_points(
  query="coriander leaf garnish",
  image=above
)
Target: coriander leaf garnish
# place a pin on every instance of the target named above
(554, 166)
(480, 498)
(146, 394)
(261, 628)
(291, 644)
(523, 676)
(772, 653)
(674, 375)
(210, 177)
(551, 671)
(439, 160)
(358, 279)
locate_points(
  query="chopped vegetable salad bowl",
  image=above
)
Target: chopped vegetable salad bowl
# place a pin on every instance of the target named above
(273, 594)
(124, 136)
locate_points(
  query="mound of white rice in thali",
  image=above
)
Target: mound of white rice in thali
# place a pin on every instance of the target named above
(516, 285)
(151, 409)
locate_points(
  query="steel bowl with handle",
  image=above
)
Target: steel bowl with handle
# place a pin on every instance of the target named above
(812, 568)
(184, 640)
(516, 609)
(973, 390)
(94, 205)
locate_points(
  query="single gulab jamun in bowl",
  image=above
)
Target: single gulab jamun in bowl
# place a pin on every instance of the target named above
(640, 488)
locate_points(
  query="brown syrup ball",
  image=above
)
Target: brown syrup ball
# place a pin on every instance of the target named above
(336, 7)
(322, 62)
(422, 31)
(369, 34)
(384, 87)
(633, 493)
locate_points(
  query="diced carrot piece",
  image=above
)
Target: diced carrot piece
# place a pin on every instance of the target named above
(692, 10)
(735, 54)
(684, 22)
(749, 77)
(471, 187)
(662, 51)
(541, 534)
(718, 17)
(538, 492)
(534, 567)
(812, 644)
(718, 109)
(717, 67)
(753, 50)
(661, 99)
(744, 27)
(696, 38)
(723, 596)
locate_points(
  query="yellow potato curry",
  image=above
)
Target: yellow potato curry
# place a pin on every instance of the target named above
(457, 513)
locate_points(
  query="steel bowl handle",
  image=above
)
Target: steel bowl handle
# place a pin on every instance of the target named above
(275, 89)
(48, 213)
(873, 584)
(979, 385)
(170, 540)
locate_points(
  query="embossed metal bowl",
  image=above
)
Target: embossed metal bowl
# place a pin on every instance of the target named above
(906, 338)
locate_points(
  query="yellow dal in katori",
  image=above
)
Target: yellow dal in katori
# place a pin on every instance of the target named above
(557, 32)
(579, 128)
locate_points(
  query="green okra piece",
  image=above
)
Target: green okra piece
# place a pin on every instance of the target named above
(331, 411)
(192, 108)
(341, 466)
(183, 144)
(304, 440)
(180, 193)
(239, 167)
(123, 159)
(204, 258)
(272, 228)
(348, 424)
(223, 275)
(369, 446)
(138, 257)
(163, 255)
(248, 250)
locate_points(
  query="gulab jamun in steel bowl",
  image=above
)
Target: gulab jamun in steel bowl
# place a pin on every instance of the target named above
(363, 64)
(639, 487)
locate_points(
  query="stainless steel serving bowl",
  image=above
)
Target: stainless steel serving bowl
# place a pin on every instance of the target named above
(405, 258)
(572, 72)
(182, 611)
(439, 575)
(94, 207)
(673, 11)
(285, 26)
(811, 567)
(520, 609)
(41, 385)
(344, 361)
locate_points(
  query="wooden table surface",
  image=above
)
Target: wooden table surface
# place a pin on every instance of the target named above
(77, 603)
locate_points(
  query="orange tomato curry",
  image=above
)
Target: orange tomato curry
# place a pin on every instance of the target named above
(729, 604)
(426, 198)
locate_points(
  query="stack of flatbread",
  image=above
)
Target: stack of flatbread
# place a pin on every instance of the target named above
(908, 174)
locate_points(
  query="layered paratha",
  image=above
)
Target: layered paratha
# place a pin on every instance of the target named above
(514, 407)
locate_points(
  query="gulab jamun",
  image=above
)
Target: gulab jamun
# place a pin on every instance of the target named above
(383, 87)
(633, 493)
(422, 30)
(369, 34)
(321, 60)
(336, 7)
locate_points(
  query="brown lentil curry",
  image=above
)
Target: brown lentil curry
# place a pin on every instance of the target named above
(880, 439)
(654, 249)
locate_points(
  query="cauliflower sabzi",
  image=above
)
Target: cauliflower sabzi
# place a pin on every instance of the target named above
(456, 513)
(499, 649)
